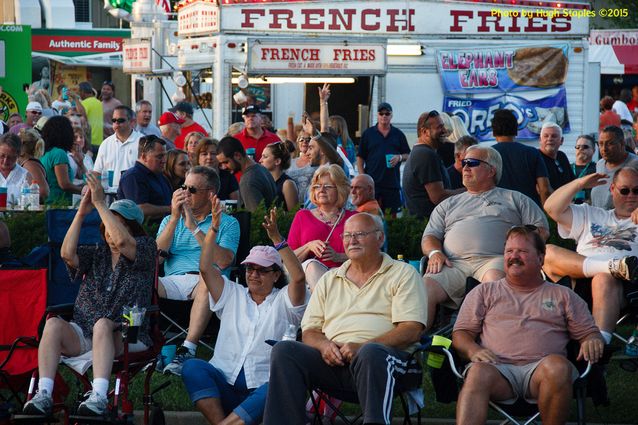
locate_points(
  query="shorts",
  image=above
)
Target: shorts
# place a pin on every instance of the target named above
(452, 279)
(203, 380)
(86, 344)
(180, 286)
(519, 377)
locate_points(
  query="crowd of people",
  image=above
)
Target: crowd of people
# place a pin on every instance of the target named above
(361, 313)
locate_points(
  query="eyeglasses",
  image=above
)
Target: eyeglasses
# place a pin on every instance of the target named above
(625, 191)
(193, 189)
(579, 147)
(259, 270)
(304, 139)
(385, 114)
(473, 162)
(357, 235)
(118, 120)
(323, 186)
(35, 112)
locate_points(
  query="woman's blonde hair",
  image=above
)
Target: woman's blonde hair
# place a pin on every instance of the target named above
(340, 126)
(32, 143)
(338, 177)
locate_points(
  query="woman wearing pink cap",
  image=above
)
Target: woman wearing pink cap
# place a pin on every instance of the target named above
(232, 387)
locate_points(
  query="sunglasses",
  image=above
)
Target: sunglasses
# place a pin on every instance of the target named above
(193, 189)
(259, 270)
(385, 114)
(35, 112)
(304, 139)
(473, 162)
(625, 191)
(118, 120)
(579, 147)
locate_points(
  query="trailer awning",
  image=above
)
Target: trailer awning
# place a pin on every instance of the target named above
(615, 59)
(105, 60)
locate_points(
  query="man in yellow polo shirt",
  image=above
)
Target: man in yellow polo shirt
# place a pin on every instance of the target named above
(94, 113)
(363, 320)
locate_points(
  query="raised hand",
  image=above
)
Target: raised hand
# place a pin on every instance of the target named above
(95, 185)
(308, 126)
(324, 92)
(216, 211)
(270, 224)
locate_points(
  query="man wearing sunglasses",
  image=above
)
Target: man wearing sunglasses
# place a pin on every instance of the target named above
(118, 152)
(585, 150)
(181, 235)
(382, 149)
(425, 179)
(607, 242)
(485, 212)
(33, 114)
(145, 183)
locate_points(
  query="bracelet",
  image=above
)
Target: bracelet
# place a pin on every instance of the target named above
(214, 229)
(281, 245)
(196, 231)
(434, 251)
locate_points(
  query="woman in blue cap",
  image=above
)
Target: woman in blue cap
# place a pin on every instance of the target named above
(117, 274)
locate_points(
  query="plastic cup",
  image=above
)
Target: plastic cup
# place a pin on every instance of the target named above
(388, 158)
(133, 334)
(168, 353)
(3, 197)
(435, 360)
(230, 205)
(111, 174)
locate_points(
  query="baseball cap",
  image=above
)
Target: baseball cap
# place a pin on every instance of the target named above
(184, 107)
(264, 256)
(34, 106)
(170, 118)
(251, 109)
(128, 209)
(384, 105)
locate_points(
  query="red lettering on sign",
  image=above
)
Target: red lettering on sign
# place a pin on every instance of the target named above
(282, 14)
(406, 19)
(487, 18)
(457, 15)
(311, 21)
(561, 23)
(346, 22)
(248, 16)
(364, 19)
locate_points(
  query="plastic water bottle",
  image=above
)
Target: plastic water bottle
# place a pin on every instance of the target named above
(34, 196)
(25, 194)
(105, 180)
(291, 333)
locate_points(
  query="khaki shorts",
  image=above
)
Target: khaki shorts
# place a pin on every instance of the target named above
(519, 378)
(452, 279)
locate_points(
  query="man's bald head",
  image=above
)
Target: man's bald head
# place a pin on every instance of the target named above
(361, 189)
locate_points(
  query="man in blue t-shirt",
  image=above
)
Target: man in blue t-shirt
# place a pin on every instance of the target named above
(381, 151)
(181, 236)
(523, 167)
(145, 183)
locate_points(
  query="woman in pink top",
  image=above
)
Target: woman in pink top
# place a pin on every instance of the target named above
(315, 235)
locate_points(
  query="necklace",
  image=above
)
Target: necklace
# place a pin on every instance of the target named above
(329, 219)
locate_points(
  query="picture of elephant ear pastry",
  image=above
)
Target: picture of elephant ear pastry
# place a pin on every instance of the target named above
(539, 67)
(554, 114)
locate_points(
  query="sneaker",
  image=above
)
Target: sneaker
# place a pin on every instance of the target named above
(625, 268)
(40, 404)
(95, 405)
(181, 355)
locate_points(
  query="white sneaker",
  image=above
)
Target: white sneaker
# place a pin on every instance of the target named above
(95, 405)
(40, 404)
(175, 366)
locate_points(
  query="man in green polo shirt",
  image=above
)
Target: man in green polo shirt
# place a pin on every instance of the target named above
(94, 113)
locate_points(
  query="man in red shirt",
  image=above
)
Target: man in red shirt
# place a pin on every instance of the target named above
(633, 104)
(184, 110)
(254, 135)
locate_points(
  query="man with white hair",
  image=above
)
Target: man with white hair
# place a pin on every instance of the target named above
(560, 172)
(466, 233)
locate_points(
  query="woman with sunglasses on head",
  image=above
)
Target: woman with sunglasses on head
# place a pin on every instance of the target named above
(231, 388)
(177, 166)
(206, 155)
(191, 141)
(315, 234)
(115, 274)
(29, 159)
(58, 142)
(276, 159)
(584, 164)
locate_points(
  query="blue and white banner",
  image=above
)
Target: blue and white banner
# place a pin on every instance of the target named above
(502, 69)
(477, 114)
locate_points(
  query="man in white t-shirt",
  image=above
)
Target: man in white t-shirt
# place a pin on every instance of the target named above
(118, 152)
(607, 242)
